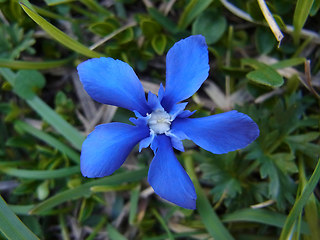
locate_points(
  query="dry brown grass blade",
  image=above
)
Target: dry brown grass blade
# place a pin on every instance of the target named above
(148, 86)
(223, 102)
(179, 228)
(87, 104)
(307, 70)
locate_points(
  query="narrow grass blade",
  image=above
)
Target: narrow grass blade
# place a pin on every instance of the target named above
(33, 65)
(260, 216)
(84, 190)
(60, 36)
(134, 199)
(288, 63)
(71, 194)
(48, 14)
(21, 209)
(300, 203)
(114, 234)
(163, 223)
(192, 10)
(12, 163)
(64, 228)
(41, 174)
(57, 2)
(270, 20)
(74, 156)
(11, 226)
(183, 235)
(311, 213)
(164, 21)
(113, 188)
(62, 126)
(301, 13)
(208, 216)
(54, 119)
(97, 228)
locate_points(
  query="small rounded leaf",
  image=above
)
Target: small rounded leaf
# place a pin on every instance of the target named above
(265, 40)
(211, 25)
(266, 76)
(27, 82)
(149, 27)
(159, 43)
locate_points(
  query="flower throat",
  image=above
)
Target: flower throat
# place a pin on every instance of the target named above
(159, 122)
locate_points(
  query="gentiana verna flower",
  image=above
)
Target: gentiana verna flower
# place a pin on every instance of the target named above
(160, 122)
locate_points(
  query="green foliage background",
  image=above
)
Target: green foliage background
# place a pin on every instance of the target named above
(266, 191)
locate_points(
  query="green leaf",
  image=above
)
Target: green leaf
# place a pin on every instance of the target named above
(163, 224)
(62, 126)
(304, 138)
(301, 12)
(97, 229)
(288, 63)
(159, 43)
(285, 162)
(57, 2)
(302, 143)
(46, 13)
(208, 216)
(265, 40)
(182, 235)
(59, 36)
(268, 169)
(113, 188)
(134, 199)
(27, 82)
(262, 216)
(252, 63)
(87, 206)
(50, 140)
(192, 10)
(41, 174)
(315, 7)
(84, 190)
(26, 3)
(267, 77)
(126, 36)
(310, 210)
(33, 65)
(21, 209)
(102, 28)
(42, 190)
(11, 226)
(300, 203)
(211, 25)
(114, 234)
(149, 27)
(165, 22)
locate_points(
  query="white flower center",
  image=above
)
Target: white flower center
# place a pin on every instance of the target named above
(159, 121)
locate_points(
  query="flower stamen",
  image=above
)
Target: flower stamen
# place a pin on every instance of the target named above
(159, 122)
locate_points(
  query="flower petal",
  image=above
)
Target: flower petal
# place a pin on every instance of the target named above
(187, 68)
(177, 109)
(144, 143)
(168, 178)
(220, 133)
(107, 147)
(113, 82)
(154, 102)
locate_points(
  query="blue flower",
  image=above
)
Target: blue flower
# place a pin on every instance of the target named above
(160, 122)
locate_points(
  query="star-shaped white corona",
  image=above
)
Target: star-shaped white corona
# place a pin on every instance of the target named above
(159, 122)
